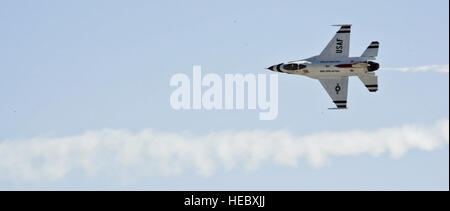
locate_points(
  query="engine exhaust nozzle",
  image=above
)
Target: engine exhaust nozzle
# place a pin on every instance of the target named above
(373, 66)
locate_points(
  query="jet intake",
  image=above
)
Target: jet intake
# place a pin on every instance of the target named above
(372, 66)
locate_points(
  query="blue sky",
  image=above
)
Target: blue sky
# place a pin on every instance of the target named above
(68, 67)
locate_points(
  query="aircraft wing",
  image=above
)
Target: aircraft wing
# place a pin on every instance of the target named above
(337, 89)
(339, 46)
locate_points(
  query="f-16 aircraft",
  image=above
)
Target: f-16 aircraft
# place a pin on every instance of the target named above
(333, 67)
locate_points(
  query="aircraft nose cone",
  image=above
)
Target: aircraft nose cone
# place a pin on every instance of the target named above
(270, 68)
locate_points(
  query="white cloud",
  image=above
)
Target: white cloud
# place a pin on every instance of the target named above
(427, 68)
(122, 155)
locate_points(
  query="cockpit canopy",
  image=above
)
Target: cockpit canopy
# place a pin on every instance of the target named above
(293, 66)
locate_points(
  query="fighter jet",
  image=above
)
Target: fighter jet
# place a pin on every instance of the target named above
(333, 66)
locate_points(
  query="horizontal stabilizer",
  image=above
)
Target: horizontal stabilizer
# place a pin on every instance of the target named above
(370, 80)
(371, 51)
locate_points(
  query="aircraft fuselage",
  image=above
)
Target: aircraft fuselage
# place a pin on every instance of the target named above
(316, 68)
